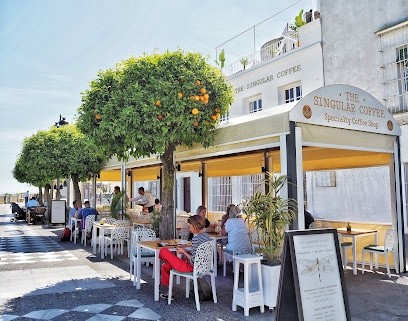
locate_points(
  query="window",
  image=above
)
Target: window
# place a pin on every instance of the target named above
(255, 105)
(224, 117)
(394, 54)
(231, 190)
(402, 61)
(292, 94)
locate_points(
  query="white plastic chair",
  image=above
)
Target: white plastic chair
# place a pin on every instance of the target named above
(138, 235)
(119, 233)
(319, 225)
(343, 245)
(389, 246)
(203, 265)
(89, 220)
(242, 245)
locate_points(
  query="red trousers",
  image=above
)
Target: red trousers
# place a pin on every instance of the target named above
(171, 261)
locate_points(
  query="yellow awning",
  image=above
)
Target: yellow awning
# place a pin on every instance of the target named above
(109, 175)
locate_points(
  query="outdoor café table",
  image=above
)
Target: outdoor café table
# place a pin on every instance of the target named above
(101, 228)
(354, 234)
(142, 223)
(216, 237)
(154, 246)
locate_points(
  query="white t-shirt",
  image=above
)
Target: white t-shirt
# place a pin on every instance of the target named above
(233, 227)
(146, 199)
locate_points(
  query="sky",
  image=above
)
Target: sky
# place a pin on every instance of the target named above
(51, 50)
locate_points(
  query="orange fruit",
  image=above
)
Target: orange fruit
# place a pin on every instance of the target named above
(196, 97)
(198, 82)
(98, 117)
(217, 110)
(195, 124)
(205, 101)
(194, 111)
(213, 117)
(217, 115)
(191, 98)
(157, 103)
(201, 98)
(159, 116)
(206, 96)
(202, 90)
(180, 95)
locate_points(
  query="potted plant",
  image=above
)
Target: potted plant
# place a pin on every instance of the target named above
(244, 62)
(118, 206)
(268, 215)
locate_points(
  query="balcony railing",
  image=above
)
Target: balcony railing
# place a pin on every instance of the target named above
(286, 43)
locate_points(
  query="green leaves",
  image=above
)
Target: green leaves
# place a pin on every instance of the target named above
(270, 214)
(58, 152)
(125, 100)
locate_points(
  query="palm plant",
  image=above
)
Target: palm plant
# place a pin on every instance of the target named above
(269, 215)
(118, 206)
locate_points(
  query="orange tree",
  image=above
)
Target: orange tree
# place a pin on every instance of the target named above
(149, 105)
(55, 153)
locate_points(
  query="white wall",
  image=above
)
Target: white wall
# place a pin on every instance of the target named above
(360, 195)
(304, 65)
(351, 50)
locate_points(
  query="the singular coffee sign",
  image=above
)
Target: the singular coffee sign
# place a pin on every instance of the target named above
(344, 106)
(311, 286)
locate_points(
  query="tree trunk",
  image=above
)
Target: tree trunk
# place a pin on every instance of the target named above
(77, 191)
(168, 214)
(47, 200)
(40, 196)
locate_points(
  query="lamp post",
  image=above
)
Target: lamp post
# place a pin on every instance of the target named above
(61, 122)
(58, 124)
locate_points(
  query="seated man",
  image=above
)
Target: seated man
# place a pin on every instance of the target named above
(32, 203)
(88, 210)
(75, 209)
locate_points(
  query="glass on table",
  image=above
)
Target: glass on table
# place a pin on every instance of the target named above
(217, 227)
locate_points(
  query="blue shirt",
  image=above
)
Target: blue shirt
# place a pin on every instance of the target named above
(85, 212)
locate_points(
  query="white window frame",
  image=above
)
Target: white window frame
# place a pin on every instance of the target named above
(254, 104)
(402, 61)
(293, 94)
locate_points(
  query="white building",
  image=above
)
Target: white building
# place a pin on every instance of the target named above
(363, 44)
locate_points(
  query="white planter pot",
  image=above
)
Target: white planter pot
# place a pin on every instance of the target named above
(270, 284)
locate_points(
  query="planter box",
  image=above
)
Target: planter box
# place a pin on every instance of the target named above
(270, 284)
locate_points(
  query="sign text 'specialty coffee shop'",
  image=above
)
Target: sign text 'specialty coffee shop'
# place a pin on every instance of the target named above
(347, 107)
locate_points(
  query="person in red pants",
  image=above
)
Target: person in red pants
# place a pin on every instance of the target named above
(196, 225)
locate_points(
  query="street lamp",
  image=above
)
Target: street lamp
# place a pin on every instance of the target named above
(61, 122)
(58, 187)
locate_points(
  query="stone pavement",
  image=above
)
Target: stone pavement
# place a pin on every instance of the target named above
(44, 279)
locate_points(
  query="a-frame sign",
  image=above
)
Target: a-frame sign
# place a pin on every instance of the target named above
(311, 284)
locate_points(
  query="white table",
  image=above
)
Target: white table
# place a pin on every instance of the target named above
(102, 228)
(354, 234)
(153, 246)
(216, 237)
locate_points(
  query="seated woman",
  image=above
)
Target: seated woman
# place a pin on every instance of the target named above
(225, 218)
(196, 225)
(234, 226)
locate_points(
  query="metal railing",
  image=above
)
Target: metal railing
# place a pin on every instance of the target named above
(286, 43)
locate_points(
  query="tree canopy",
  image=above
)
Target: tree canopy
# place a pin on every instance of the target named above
(149, 105)
(146, 104)
(57, 153)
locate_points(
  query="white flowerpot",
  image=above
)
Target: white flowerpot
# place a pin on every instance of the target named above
(270, 284)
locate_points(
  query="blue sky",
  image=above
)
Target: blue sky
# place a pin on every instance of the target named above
(51, 50)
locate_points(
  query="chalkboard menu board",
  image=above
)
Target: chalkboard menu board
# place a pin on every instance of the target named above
(311, 285)
(58, 209)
